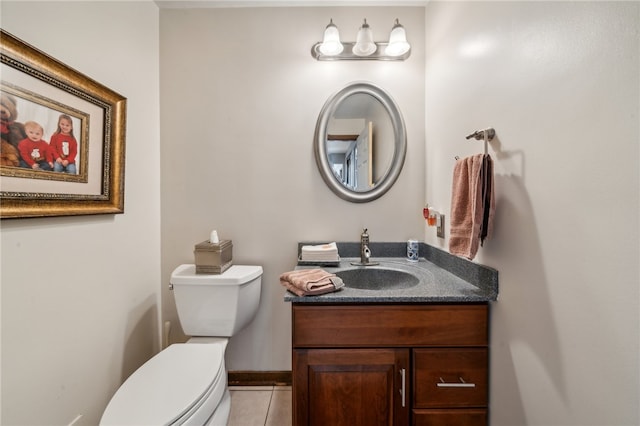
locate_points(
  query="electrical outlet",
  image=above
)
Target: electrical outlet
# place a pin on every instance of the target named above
(440, 229)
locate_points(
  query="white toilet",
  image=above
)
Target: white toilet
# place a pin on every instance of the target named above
(187, 382)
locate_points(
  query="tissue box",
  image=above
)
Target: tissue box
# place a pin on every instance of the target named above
(213, 258)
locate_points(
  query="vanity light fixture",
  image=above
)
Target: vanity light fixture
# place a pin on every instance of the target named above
(397, 41)
(364, 41)
(331, 42)
(364, 48)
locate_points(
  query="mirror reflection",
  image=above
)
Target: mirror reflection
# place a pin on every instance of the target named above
(359, 142)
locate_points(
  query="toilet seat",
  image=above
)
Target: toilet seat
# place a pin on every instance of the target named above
(181, 383)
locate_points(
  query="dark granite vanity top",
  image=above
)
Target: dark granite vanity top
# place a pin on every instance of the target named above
(443, 278)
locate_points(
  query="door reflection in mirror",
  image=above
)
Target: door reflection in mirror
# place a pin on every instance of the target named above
(360, 142)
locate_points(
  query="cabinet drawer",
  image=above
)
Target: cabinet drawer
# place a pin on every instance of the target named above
(451, 377)
(389, 325)
(453, 417)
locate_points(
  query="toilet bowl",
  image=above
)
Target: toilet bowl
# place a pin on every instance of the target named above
(186, 383)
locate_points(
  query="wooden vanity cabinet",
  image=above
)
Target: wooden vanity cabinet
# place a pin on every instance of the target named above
(390, 364)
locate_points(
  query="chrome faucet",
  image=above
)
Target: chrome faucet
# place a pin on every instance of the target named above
(365, 252)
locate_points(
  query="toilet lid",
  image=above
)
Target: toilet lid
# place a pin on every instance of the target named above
(234, 276)
(167, 386)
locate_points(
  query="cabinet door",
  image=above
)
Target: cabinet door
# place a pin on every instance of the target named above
(351, 387)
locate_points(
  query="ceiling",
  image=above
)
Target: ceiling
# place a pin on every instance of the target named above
(185, 4)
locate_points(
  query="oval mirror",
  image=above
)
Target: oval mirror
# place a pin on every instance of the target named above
(360, 142)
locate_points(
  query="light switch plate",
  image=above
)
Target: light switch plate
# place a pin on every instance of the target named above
(440, 229)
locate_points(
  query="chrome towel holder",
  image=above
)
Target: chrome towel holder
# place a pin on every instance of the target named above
(485, 134)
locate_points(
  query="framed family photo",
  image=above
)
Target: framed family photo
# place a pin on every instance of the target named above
(63, 137)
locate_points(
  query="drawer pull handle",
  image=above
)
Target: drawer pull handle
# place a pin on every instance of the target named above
(402, 389)
(461, 384)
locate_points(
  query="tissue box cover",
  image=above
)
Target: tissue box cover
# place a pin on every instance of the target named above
(213, 258)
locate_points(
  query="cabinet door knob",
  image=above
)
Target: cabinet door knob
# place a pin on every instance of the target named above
(460, 384)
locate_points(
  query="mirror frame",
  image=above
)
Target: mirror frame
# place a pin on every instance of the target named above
(399, 151)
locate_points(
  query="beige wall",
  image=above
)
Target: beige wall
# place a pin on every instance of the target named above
(70, 338)
(240, 97)
(560, 84)
(558, 81)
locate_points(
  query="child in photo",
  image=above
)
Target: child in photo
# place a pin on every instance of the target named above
(33, 150)
(11, 131)
(63, 147)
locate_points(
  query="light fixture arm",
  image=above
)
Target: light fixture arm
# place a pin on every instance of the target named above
(347, 53)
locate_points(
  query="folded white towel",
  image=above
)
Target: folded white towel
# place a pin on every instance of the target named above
(322, 252)
(321, 248)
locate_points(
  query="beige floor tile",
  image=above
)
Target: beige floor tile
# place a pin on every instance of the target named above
(280, 413)
(249, 407)
(282, 388)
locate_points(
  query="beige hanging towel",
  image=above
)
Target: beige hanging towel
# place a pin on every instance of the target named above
(472, 205)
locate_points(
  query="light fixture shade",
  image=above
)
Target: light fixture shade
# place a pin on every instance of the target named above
(331, 42)
(398, 44)
(364, 41)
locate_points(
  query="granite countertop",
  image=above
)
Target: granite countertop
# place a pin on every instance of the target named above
(443, 278)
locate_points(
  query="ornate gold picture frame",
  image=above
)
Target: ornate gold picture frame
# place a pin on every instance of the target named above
(63, 137)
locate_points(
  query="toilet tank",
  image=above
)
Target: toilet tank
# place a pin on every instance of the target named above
(217, 305)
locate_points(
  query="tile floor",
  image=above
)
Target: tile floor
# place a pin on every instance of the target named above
(260, 406)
